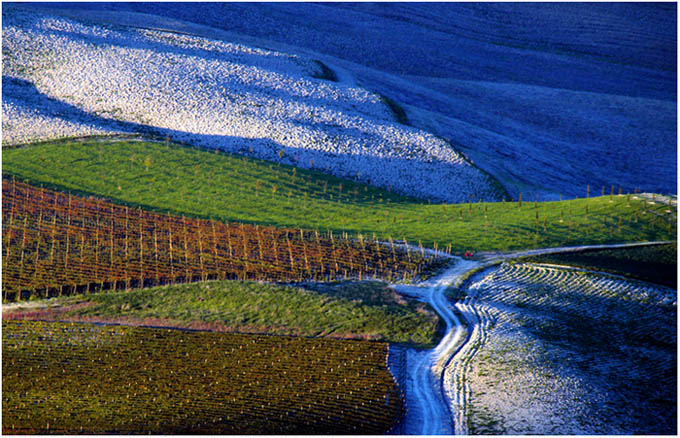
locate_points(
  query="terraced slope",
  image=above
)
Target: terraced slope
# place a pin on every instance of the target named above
(218, 94)
(59, 243)
(564, 351)
(81, 378)
(195, 182)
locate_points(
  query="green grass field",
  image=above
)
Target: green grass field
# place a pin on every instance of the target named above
(202, 183)
(360, 310)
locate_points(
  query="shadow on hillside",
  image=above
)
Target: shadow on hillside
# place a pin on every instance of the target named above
(375, 170)
(24, 93)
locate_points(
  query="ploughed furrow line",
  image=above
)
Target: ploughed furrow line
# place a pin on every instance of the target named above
(570, 289)
(560, 350)
(56, 243)
(456, 386)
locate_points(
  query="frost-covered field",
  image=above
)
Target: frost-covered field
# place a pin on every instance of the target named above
(546, 97)
(23, 122)
(564, 351)
(64, 77)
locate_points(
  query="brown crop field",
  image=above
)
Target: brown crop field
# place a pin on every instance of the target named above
(56, 243)
(69, 378)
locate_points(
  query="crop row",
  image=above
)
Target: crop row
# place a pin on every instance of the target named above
(657, 263)
(57, 242)
(583, 298)
(538, 281)
(69, 378)
(456, 376)
(591, 348)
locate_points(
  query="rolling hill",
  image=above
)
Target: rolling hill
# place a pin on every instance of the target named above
(546, 97)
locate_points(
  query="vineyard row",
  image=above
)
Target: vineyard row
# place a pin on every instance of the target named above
(82, 378)
(56, 243)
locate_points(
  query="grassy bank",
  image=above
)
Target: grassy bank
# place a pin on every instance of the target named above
(207, 184)
(361, 310)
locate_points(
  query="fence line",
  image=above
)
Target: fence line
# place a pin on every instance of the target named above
(58, 243)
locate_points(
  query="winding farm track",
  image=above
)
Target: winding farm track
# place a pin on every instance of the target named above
(437, 392)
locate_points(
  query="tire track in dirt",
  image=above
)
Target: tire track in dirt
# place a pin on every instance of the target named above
(439, 391)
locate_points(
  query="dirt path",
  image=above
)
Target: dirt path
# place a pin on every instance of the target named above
(428, 413)
(436, 389)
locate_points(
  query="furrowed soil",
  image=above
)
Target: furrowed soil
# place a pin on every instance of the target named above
(571, 352)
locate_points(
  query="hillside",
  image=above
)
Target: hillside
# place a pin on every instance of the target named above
(130, 380)
(566, 351)
(339, 218)
(219, 94)
(197, 182)
(546, 97)
(340, 310)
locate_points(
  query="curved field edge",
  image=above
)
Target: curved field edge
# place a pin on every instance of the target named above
(84, 378)
(201, 183)
(602, 344)
(655, 264)
(342, 310)
(259, 102)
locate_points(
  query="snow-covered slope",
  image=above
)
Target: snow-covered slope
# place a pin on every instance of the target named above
(548, 97)
(66, 77)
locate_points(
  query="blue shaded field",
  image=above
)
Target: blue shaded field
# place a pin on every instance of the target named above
(546, 97)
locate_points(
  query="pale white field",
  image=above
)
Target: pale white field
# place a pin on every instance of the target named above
(64, 77)
(547, 97)
(566, 351)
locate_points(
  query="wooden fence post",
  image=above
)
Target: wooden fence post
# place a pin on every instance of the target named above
(111, 242)
(8, 236)
(141, 250)
(172, 260)
(186, 250)
(155, 252)
(54, 228)
(68, 235)
(23, 244)
(37, 247)
(215, 264)
(200, 251)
